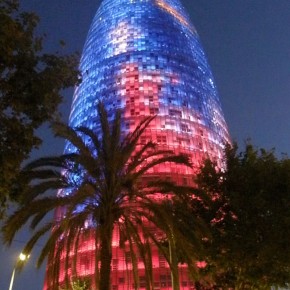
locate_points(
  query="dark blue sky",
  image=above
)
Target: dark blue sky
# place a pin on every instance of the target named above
(248, 46)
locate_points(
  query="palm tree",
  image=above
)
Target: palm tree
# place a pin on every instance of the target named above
(100, 188)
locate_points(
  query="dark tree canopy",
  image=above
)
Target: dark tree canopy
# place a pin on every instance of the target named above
(31, 84)
(249, 219)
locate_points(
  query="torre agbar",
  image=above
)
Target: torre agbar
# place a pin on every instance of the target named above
(145, 58)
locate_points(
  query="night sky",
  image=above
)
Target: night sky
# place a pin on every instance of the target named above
(247, 43)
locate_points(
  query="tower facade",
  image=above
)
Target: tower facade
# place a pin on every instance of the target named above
(145, 58)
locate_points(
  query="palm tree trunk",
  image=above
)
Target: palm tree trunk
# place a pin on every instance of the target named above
(106, 233)
(174, 265)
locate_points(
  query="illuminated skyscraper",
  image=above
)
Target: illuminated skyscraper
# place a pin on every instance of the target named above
(145, 57)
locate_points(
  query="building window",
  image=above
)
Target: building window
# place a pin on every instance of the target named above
(175, 113)
(161, 139)
(121, 280)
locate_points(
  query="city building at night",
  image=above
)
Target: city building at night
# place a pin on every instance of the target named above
(145, 58)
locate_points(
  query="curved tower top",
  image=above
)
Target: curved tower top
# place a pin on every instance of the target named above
(145, 57)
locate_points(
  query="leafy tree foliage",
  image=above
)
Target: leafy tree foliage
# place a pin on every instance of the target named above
(249, 219)
(31, 82)
(104, 180)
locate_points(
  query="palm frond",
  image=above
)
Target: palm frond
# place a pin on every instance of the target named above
(35, 191)
(36, 236)
(131, 140)
(105, 126)
(116, 133)
(176, 159)
(20, 217)
(37, 219)
(92, 135)
(51, 161)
